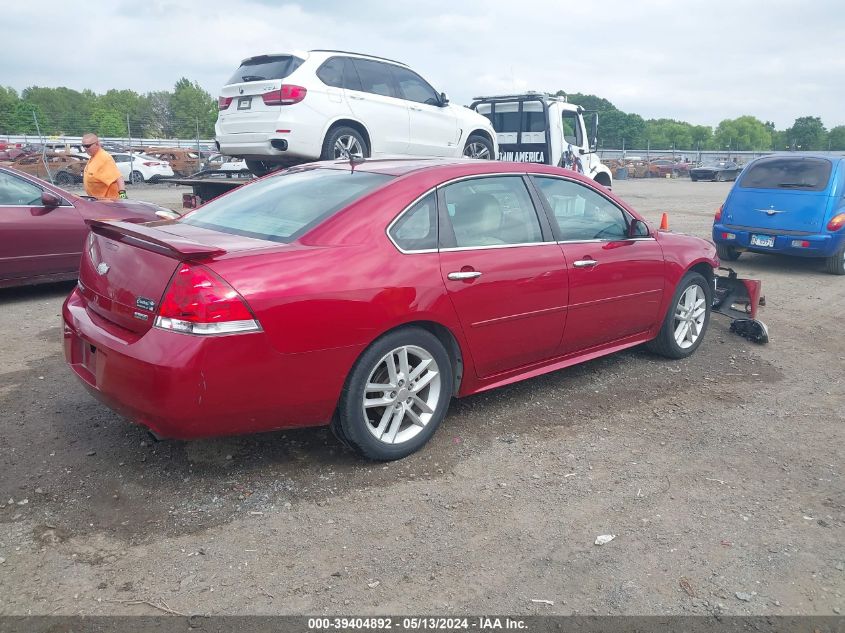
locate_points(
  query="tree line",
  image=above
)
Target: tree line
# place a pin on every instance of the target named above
(189, 112)
(619, 129)
(186, 112)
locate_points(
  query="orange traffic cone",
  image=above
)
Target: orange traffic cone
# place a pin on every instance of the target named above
(664, 222)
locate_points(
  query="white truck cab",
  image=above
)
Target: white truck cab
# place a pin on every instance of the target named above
(535, 127)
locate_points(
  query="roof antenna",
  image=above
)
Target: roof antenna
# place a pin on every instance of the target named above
(354, 160)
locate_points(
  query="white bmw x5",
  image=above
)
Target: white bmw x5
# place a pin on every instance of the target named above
(291, 108)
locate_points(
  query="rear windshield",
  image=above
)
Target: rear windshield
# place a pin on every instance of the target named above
(804, 174)
(265, 67)
(282, 208)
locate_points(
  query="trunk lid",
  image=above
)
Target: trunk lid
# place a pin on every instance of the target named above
(247, 113)
(776, 210)
(126, 268)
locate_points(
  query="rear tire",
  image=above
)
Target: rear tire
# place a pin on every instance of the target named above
(674, 340)
(478, 147)
(835, 264)
(343, 142)
(415, 372)
(727, 253)
(136, 177)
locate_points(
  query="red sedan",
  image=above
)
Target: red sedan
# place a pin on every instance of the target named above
(42, 227)
(367, 296)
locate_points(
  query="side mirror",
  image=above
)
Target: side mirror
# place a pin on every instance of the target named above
(444, 99)
(594, 132)
(638, 228)
(49, 201)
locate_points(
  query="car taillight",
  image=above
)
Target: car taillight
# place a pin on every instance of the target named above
(286, 95)
(718, 216)
(152, 164)
(836, 222)
(224, 102)
(199, 302)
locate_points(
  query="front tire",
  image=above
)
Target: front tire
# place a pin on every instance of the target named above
(396, 395)
(343, 143)
(835, 264)
(686, 320)
(478, 147)
(727, 253)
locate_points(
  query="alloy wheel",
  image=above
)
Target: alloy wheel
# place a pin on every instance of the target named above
(477, 150)
(347, 146)
(690, 314)
(401, 395)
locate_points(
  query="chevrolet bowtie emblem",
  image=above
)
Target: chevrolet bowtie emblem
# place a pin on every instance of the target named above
(102, 268)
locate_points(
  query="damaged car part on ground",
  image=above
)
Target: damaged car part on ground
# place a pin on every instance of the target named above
(738, 299)
(368, 297)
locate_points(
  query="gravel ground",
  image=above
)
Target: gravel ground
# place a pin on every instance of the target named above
(720, 476)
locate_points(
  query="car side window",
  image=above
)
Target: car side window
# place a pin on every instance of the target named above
(571, 129)
(492, 211)
(17, 192)
(416, 229)
(581, 213)
(331, 72)
(413, 88)
(375, 77)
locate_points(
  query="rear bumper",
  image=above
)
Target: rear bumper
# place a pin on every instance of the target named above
(304, 143)
(185, 387)
(820, 245)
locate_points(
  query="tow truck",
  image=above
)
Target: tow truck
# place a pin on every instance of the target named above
(536, 127)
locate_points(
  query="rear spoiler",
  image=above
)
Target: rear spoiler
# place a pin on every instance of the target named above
(151, 238)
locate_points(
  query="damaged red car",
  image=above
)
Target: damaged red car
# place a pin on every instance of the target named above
(368, 295)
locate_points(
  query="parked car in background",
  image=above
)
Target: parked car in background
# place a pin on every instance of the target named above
(717, 171)
(287, 109)
(65, 169)
(140, 168)
(662, 167)
(183, 162)
(226, 163)
(790, 205)
(42, 227)
(10, 154)
(370, 295)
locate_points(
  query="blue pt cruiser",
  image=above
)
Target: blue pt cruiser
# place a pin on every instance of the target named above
(787, 204)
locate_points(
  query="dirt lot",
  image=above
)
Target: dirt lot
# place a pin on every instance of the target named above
(721, 477)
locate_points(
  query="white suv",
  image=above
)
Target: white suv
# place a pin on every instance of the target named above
(286, 109)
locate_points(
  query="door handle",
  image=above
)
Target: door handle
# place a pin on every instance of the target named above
(416, 109)
(464, 274)
(356, 98)
(585, 263)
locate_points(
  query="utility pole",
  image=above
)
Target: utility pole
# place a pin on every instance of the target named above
(199, 155)
(131, 153)
(43, 148)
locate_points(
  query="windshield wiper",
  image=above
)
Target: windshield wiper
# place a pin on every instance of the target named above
(793, 185)
(253, 78)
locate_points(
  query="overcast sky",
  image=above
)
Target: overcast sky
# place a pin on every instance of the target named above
(693, 60)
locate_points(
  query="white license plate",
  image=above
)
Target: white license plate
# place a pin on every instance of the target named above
(763, 240)
(244, 103)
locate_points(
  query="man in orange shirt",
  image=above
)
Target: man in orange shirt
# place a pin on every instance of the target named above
(101, 177)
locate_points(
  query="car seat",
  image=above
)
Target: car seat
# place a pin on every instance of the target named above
(477, 221)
